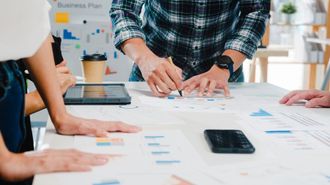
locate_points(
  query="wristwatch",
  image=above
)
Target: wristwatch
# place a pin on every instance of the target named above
(225, 62)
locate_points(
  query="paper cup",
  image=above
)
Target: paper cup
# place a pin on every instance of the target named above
(93, 67)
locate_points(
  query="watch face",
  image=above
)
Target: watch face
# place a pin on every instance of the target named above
(224, 66)
(225, 62)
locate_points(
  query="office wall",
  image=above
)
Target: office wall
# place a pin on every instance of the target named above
(85, 27)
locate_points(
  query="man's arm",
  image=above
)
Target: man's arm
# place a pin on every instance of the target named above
(250, 30)
(125, 17)
(161, 76)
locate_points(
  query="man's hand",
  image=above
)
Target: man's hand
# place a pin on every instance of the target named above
(207, 82)
(18, 167)
(71, 125)
(161, 76)
(315, 98)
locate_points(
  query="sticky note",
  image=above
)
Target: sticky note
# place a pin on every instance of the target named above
(62, 17)
(107, 71)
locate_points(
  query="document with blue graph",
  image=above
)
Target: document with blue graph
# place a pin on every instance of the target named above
(294, 129)
(146, 150)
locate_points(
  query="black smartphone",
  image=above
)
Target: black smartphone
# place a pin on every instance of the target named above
(228, 141)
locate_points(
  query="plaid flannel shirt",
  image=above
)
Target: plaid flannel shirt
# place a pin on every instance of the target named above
(193, 32)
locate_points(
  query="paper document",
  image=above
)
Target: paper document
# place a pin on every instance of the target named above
(264, 119)
(270, 173)
(144, 150)
(189, 177)
(131, 114)
(216, 103)
(303, 142)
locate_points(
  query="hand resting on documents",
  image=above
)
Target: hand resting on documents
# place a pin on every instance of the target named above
(315, 98)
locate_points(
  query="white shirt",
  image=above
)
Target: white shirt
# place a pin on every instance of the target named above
(24, 26)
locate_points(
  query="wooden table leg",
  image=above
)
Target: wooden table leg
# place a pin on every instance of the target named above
(326, 81)
(264, 69)
(252, 76)
(312, 76)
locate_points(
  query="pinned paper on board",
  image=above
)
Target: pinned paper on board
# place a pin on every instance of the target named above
(62, 17)
(107, 71)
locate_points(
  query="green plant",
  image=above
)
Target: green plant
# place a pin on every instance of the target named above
(289, 8)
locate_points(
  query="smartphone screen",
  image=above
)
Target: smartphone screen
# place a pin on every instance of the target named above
(228, 141)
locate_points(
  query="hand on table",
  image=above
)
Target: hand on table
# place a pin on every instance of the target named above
(71, 125)
(161, 76)
(315, 98)
(207, 82)
(22, 166)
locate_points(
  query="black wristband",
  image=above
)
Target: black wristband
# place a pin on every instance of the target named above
(225, 62)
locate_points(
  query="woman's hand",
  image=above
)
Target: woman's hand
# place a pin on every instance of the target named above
(17, 167)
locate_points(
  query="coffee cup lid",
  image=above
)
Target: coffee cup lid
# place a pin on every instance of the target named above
(94, 57)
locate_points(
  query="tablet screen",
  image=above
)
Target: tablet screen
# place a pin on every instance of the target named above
(97, 93)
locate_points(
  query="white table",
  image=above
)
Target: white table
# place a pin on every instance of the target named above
(264, 95)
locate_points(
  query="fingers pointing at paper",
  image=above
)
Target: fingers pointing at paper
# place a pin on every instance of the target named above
(161, 76)
(70, 125)
(207, 82)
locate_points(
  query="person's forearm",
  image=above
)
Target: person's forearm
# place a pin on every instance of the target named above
(4, 156)
(33, 103)
(237, 57)
(3, 149)
(136, 49)
(42, 68)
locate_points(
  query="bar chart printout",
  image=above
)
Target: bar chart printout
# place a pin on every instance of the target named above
(161, 149)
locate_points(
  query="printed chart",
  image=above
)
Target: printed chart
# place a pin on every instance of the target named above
(301, 141)
(187, 103)
(148, 149)
(155, 178)
(270, 119)
(290, 130)
(132, 114)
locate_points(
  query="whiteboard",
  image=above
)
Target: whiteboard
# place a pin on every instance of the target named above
(85, 27)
